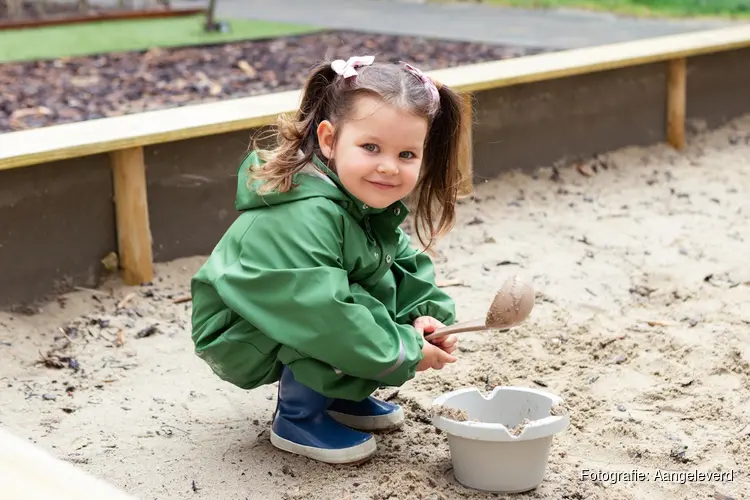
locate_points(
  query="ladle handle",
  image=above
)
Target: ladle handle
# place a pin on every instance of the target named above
(474, 325)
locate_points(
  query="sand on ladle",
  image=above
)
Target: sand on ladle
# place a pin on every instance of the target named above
(510, 307)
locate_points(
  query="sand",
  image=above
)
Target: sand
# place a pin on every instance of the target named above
(640, 262)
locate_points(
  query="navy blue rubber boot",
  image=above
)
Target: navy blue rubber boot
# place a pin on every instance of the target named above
(302, 426)
(371, 414)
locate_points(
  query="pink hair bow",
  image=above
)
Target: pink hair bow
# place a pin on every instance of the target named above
(349, 67)
(428, 83)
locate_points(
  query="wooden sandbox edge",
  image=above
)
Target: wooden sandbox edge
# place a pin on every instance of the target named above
(28, 472)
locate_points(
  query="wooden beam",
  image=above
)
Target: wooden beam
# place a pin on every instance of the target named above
(466, 154)
(131, 207)
(549, 66)
(27, 471)
(676, 102)
(103, 135)
(58, 142)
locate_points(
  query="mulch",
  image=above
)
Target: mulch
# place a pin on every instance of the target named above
(42, 93)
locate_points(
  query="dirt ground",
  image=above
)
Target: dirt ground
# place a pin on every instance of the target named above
(641, 323)
(73, 89)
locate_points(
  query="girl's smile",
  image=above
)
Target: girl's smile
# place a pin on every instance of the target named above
(381, 185)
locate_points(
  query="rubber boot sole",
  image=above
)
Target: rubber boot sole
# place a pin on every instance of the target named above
(392, 420)
(355, 454)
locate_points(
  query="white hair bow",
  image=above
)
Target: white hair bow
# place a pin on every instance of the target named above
(349, 67)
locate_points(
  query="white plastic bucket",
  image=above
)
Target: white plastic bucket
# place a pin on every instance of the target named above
(485, 454)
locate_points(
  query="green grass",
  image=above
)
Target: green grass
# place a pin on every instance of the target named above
(646, 8)
(128, 35)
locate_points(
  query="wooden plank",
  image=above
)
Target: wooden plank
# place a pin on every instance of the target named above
(27, 472)
(503, 73)
(19, 149)
(72, 140)
(466, 157)
(131, 208)
(676, 101)
(105, 15)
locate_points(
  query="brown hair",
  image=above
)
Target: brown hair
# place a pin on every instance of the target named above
(327, 96)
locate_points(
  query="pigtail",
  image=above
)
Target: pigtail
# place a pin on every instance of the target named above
(437, 192)
(296, 134)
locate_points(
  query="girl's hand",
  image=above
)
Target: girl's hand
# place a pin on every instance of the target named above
(434, 358)
(428, 324)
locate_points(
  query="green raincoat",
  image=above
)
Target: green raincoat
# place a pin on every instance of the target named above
(316, 280)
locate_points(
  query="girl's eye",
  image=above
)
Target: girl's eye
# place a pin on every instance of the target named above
(370, 147)
(407, 155)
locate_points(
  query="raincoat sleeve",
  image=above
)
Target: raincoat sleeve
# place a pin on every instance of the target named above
(416, 293)
(297, 292)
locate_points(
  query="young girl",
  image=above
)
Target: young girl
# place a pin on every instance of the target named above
(315, 285)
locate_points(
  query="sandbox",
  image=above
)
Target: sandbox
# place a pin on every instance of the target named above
(638, 256)
(640, 325)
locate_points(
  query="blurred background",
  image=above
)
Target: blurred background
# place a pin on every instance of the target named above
(72, 60)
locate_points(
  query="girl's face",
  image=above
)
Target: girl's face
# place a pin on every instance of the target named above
(378, 153)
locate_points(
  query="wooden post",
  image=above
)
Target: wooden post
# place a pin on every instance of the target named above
(676, 102)
(131, 205)
(466, 154)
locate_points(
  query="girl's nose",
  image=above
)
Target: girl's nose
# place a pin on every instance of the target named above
(388, 167)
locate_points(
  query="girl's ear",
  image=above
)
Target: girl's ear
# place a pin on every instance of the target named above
(326, 133)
